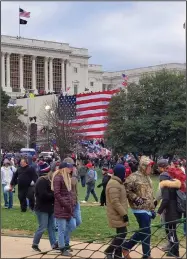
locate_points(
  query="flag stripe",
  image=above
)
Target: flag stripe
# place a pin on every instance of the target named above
(91, 130)
(91, 112)
(80, 106)
(100, 114)
(91, 108)
(88, 123)
(93, 100)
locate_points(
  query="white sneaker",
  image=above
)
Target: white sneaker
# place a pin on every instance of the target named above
(83, 201)
(96, 202)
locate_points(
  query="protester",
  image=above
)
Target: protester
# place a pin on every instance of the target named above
(117, 210)
(43, 167)
(105, 180)
(169, 205)
(64, 205)
(76, 204)
(141, 200)
(82, 170)
(25, 177)
(90, 182)
(44, 209)
(162, 167)
(7, 172)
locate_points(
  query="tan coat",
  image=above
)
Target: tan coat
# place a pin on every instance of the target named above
(116, 201)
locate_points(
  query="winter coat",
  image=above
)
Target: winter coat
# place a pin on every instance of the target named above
(74, 189)
(169, 200)
(23, 177)
(7, 174)
(116, 201)
(105, 180)
(82, 171)
(44, 196)
(90, 176)
(63, 208)
(139, 185)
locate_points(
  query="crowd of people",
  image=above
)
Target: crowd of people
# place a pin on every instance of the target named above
(50, 189)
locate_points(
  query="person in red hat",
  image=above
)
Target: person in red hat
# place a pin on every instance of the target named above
(106, 178)
(90, 182)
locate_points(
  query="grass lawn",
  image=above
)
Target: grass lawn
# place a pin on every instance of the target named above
(94, 226)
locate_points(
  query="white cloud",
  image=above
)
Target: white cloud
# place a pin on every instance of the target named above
(142, 34)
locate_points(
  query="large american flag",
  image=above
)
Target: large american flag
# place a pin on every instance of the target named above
(87, 112)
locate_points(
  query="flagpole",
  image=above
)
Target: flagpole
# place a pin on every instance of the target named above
(19, 22)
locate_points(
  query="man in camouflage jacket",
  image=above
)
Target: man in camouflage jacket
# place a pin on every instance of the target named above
(141, 200)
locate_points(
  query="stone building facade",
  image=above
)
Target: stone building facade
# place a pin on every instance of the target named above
(37, 65)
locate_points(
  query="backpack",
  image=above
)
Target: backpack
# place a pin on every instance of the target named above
(181, 201)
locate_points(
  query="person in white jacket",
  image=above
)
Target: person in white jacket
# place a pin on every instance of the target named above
(7, 172)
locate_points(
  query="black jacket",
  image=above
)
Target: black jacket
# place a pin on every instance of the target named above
(44, 196)
(24, 176)
(169, 200)
(105, 180)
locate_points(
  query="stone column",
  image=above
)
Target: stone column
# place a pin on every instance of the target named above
(46, 74)
(51, 74)
(8, 88)
(21, 73)
(3, 70)
(34, 75)
(68, 75)
(62, 75)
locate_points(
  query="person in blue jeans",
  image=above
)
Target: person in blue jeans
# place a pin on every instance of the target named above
(141, 200)
(91, 179)
(77, 212)
(44, 210)
(64, 204)
(7, 172)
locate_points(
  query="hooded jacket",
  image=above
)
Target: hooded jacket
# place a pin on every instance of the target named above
(74, 188)
(116, 201)
(139, 185)
(44, 196)
(169, 197)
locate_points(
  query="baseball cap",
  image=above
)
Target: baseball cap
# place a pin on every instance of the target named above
(162, 163)
(89, 165)
(65, 165)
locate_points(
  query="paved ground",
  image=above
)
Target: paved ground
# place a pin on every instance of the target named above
(21, 247)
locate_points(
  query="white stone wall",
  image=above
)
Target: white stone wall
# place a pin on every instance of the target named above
(36, 107)
(95, 76)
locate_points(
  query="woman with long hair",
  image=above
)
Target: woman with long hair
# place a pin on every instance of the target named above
(64, 204)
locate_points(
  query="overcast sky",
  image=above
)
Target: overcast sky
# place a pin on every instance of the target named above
(118, 35)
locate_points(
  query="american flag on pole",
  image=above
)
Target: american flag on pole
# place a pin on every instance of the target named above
(87, 112)
(23, 13)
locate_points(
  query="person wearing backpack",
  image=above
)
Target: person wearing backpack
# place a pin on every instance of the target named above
(90, 182)
(169, 189)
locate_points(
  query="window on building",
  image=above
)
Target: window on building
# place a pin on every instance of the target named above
(40, 75)
(57, 75)
(91, 83)
(109, 87)
(14, 72)
(104, 87)
(75, 70)
(75, 89)
(27, 72)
